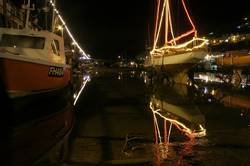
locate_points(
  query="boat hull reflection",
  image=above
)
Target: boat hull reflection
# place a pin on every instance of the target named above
(41, 125)
(46, 137)
(176, 120)
(175, 110)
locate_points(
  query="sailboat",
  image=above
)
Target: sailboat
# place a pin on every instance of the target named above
(32, 61)
(177, 51)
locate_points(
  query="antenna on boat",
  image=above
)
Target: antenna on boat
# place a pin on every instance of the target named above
(46, 10)
(28, 9)
(53, 17)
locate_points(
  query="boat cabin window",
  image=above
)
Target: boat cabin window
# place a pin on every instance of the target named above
(21, 41)
(55, 47)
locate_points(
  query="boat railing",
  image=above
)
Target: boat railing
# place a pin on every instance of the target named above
(191, 45)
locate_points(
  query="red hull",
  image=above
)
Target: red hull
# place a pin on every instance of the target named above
(28, 77)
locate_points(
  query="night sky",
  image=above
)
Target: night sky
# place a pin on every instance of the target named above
(107, 28)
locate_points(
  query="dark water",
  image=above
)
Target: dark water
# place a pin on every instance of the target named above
(124, 117)
(115, 124)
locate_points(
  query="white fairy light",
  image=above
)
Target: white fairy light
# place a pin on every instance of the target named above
(68, 31)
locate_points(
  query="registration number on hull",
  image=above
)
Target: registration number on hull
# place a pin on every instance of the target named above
(55, 71)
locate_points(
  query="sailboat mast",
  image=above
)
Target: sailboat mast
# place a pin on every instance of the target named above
(160, 24)
(27, 15)
(158, 3)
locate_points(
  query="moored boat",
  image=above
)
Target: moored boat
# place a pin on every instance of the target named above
(32, 61)
(177, 50)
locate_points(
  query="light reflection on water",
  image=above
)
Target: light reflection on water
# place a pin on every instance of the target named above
(176, 121)
(86, 78)
(222, 111)
(120, 125)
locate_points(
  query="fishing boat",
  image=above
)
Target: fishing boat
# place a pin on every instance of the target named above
(171, 51)
(32, 61)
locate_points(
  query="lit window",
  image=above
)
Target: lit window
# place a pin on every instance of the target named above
(21, 41)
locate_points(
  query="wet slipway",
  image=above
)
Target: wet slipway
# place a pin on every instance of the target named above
(124, 117)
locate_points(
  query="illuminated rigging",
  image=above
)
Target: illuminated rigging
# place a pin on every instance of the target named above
(171, 45)
(181, 126)
(68, 31)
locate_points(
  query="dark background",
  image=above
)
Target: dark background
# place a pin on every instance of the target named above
(108, 28)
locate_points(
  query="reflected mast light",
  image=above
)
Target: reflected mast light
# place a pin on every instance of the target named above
(178, 124)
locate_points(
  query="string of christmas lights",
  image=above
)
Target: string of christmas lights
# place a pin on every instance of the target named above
(68, 31)
(184, 45)
(172, 45)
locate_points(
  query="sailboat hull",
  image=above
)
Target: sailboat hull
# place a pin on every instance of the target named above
(189, 114)
(181, 61)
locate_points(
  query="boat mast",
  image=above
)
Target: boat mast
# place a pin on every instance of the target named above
(5, 12)
(27, 15)
(160, 24)
(46, 14)
(158, 2)
(28, 9)
(53, 17)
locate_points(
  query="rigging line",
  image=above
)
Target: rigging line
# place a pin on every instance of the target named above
(159, 28)
(67, 30)
(157, 126)
(171, 26)
(165, 131)
(182, 36)
(178, 20)
(166, 21)
(185, 128)
(157, 18)
(188, 15)
(156, 132)
(169, 131)
(185, 44)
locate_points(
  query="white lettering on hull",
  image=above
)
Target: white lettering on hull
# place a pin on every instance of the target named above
(55, 71)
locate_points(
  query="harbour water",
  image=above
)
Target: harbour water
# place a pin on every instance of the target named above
(125, 117)
(167, 97)
(115, 125)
